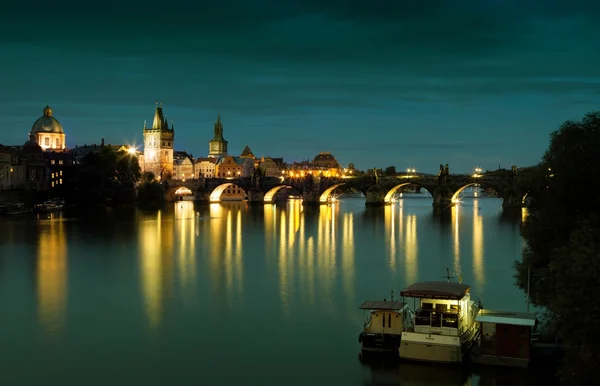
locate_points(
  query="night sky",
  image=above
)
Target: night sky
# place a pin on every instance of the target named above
(377, 83)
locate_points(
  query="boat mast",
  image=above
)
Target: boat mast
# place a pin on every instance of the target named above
(528, 285)
(448, 277)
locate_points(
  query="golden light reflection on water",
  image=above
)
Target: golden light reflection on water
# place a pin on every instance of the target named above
(222, 235)
(478, 245)
(326, 251)
(185, 228)
(455, 215)
(156, 264)
(348, 273)
(51, 275)
(390, 232)
(307, 258)
(401, 230)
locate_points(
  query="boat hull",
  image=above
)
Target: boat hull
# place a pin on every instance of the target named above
(435, 348)
(379, 344)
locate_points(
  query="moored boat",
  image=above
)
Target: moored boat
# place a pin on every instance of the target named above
(506, 338)
(444, 329)
(50, 206)
(18, 208)
(384, 323)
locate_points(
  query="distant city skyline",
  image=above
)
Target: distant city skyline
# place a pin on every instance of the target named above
(375, 83)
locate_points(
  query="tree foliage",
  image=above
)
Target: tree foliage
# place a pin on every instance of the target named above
(562, 233)
(390, 171)
(106, 177)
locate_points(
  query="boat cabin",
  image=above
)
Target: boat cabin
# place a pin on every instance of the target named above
(384, 324)
(441, 308)
(384, 317)
(505, 338)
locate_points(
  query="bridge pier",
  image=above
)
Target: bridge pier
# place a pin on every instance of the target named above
(511, 201)
(376, 196)
(442, 198)
(202, 197)
(255, 196)
(311, 198)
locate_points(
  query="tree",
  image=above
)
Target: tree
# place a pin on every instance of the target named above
(562, 235)
(105, 177)
(390, 171)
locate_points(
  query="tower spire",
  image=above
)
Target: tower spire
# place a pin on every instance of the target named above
(159, 120)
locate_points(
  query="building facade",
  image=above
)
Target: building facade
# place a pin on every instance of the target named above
(158, 146)
(47, 132)
(217, 147)
(271, 167)
(183, 166)
(205, 167)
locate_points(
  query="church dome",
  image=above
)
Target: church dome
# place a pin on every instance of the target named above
(47, 123)
(325, 159)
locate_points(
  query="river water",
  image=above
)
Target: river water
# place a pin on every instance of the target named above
(230, 294)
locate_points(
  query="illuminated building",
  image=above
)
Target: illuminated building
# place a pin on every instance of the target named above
(183, 166)
(158, 146)
(48, 132)
(217, 147)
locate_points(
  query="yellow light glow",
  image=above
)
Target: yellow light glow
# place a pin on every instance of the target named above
(478, 245)
(271, 193)
(52, 278)
(412, 248)
(325, 196)
(390, 195)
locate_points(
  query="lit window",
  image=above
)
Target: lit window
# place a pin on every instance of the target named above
(60, 162)
(60, 181)
(52, 162)
(60, 172)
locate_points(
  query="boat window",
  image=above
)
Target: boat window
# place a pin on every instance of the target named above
(423, 317)
(427, 306)
(450, 320)
(441, 307)
(454, 307)
(383, 320)
(436, 319)
(389, 320)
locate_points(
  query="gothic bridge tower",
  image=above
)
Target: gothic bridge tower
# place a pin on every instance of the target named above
(218, 145)
(158, 146)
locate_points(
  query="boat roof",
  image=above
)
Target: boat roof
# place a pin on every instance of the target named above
(506, 317)
(382, 305)
(436, 290)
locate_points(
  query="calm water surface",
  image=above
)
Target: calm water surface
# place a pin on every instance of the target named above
(228, 294)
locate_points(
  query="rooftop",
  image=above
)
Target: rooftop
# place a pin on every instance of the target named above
(436, 290)
(382, 305)
(506, 317)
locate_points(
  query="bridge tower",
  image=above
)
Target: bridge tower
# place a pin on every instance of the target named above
(217, 147)
(158, 146)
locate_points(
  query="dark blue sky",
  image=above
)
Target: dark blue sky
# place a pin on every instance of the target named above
(377, 83)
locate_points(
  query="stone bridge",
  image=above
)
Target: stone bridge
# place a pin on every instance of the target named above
(510, 185)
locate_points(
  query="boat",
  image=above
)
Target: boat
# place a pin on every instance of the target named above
(50, 206)
(17, 208)
(384, 323)
(444, 329)
(506, 338)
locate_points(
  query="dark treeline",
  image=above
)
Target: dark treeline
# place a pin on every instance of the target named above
(562, 233)
(111, 177)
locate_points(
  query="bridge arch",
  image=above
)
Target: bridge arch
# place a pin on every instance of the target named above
(326, 195)
(174, 192)
(215, 195)
(390, 194)
(480, 183)
(273, 191)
